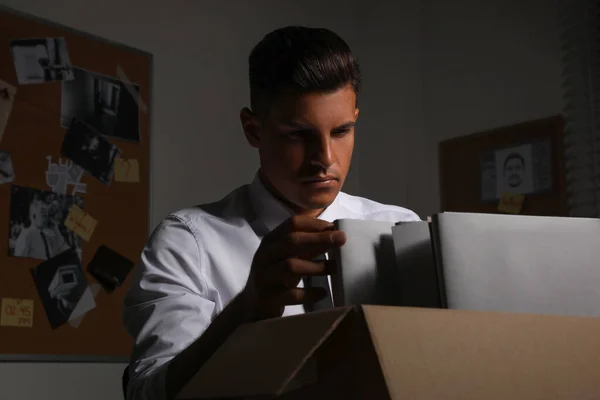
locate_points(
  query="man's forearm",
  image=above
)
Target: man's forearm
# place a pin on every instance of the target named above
(185, 365)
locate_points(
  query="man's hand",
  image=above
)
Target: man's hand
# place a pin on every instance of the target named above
(284, 256)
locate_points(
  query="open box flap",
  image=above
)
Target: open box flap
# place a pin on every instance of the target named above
(430, 353)
(262, 358)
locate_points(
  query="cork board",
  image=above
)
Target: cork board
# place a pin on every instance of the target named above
(526, 159)
(78, 140)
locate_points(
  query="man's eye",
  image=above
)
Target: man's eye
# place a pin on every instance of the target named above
(299, 133)
(341, 132)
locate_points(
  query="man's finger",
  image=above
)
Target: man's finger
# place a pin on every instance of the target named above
(305, 245)
(273, 303)
(301, 224)
(289, 272)
(299, 296)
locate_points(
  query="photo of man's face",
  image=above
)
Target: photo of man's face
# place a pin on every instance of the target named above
(521, 169)
(514, 170)
(38, 214)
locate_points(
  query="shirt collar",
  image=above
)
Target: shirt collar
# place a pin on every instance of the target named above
(272, 212)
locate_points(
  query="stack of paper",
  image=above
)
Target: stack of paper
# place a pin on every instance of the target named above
(488, 262)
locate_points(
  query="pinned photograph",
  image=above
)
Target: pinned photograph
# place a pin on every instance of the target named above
(108, 105)
(109, 268)
(514, 168)
(61, 284)
(90, 150)
(41, 60)
(37, 227)
(60, 175)
(7, 173)
(518, 170)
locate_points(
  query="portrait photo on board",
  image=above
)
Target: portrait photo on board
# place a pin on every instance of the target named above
(7, 172)
(514, 169)
(36, 228)
(104, 103)
(90, 150)
(41, 60)
(523, 169)
(60, 283)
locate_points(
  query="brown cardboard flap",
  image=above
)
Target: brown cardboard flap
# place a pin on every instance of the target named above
(455, 354)
(347, 365)
(262, 358)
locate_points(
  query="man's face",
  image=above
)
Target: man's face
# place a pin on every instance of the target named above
(39, 214)
(305, 145)
(514, 172)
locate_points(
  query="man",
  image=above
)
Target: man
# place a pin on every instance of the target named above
(42, 240)
(514, 169)
(208, 269)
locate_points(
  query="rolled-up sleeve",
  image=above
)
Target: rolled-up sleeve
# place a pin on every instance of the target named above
(168, 306)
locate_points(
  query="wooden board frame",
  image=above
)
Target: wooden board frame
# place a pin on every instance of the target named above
(101, 337)
(460, 168)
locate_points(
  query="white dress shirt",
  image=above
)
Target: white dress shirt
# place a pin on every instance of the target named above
(196, 261)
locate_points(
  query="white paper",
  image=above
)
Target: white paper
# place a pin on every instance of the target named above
(85, 305)
(40, 60)
(60, 175)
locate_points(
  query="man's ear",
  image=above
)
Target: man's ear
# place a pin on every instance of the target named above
(356, 114)
(251, 126)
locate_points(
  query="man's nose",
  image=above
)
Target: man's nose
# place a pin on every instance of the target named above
(322, 152)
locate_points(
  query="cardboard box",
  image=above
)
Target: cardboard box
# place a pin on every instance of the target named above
(377, 352)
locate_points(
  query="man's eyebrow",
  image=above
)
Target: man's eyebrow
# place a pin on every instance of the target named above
(347, 125)
(301, 126)
(296, 125)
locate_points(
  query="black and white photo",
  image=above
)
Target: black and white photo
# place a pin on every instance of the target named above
(109, 268)
(41, 60)
(60, 283)
(90, 150)
(7, 172)
(517, 170)
(37, 227)
(514, 169)
(104, 103)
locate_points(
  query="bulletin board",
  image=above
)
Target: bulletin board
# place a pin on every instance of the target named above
(74, 189)
(526, 160)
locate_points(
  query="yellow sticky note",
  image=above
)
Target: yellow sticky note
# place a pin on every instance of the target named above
(127, 170)
(80, 222)
(511, 203)
(17, 312)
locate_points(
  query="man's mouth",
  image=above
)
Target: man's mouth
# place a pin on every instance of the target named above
(319, 179)
(320, 182)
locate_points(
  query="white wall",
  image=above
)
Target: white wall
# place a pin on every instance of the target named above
(390, 104)
(486, 64)
(433, 69)
(437, 69)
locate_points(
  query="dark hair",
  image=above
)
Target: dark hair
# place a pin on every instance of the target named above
(302, 59)
(514, 156)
